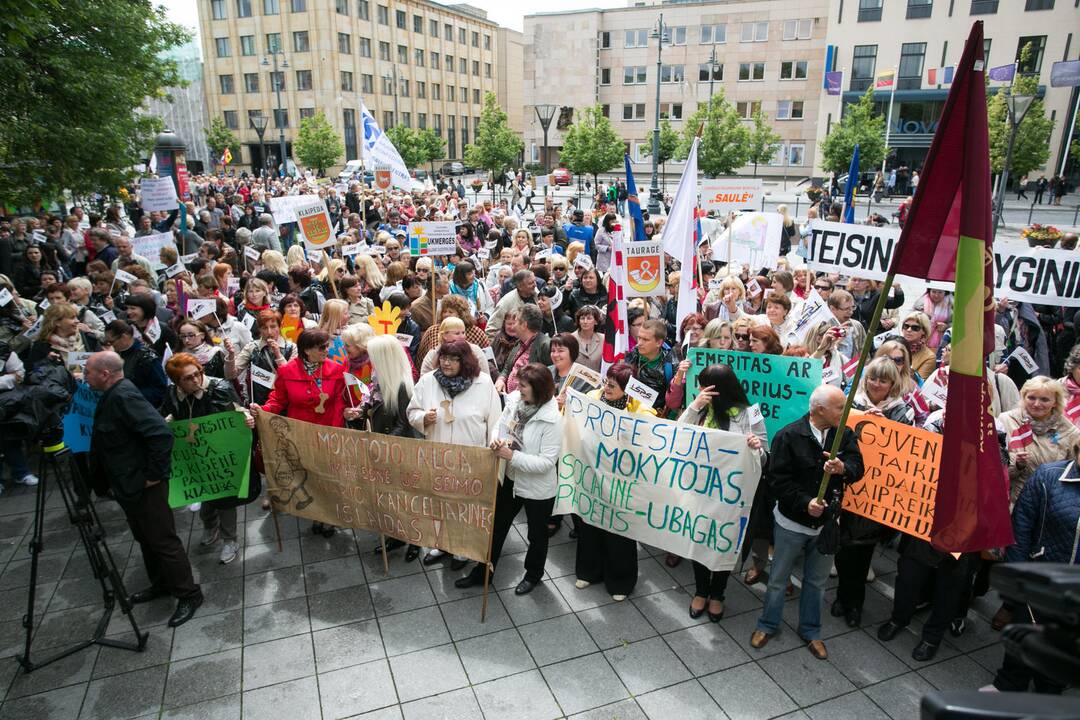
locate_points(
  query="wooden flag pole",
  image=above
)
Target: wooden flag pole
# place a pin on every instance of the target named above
(867, 348)
(277, 525)
(491, 537)
(385, 561)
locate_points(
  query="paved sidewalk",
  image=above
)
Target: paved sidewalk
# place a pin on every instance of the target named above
(319, 631)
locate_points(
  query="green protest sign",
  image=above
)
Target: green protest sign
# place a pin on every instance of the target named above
(211, 458)
(779, 385)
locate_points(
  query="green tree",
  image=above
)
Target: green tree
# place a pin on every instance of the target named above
(725, 139)
(219, 137)
(669, 144)
(404, 139)
(763, 140)
(860, 126)
(432, 147)
(497, 147)
(76, 73)
(1032, 147)
(317, 143)
(591, 146)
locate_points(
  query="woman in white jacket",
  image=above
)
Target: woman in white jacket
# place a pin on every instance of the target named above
(455, 403)
(528, 439)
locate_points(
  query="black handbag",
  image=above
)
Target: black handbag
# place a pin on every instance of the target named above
(828, 540)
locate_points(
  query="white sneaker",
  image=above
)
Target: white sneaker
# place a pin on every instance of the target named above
(582, 584)
(870, 576)
(196, 507)
(229, 550)
(988, 688)
(29, 479)
(618, 598)
(832, 571)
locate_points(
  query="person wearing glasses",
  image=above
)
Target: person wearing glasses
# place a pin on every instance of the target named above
(849, 339)
(824, 286)
(916, 332)
(194, 394)
(740, 333)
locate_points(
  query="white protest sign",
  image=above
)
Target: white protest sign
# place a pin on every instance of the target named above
(174, 270)
(432, 238)
(199, 308)
(248, 320)
(153, 330)
(883, 337)
(188, 258)
(32, 331)
(644, 268)
(681, 488)
(753, 288)
(314, 221)
(1027, 362)
(813, 311)
(233, 285)
(262, 377)
(44, 304)
(404, 338)
(351, 249)
(716, 283)
(753, 414)
(753, 239)
(74, 359)
(108, 317)
(731, 194)
(935, 392)
(583, 261)
(125, 277)
(149, 246)
(158, 194)
(483, 253)
(5, 297)
(641, 392)
(829, 375)
(284, 208)
(252, 252)
(586, 374)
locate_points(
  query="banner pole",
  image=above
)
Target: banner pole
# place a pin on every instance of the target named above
(434, 318)
(277, 525)
(491, 537)
(868, 346)
(385, 561)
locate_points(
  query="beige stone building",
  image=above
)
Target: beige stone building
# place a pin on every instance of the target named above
(768, 54)
(413, 62)
(869, 37)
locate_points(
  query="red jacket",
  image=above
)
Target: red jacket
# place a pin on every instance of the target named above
(296, 394)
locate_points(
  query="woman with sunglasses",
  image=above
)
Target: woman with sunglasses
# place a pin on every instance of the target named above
(916, 332)
(898, 353)
(740, 333)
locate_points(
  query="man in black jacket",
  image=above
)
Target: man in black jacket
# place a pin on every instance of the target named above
(142, 366)
(130, 452)
(800, 454)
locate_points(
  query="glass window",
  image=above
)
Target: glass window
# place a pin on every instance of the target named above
(797, 154)
(401, 18)
(226, 83)
(367, 83)
(384, 50)
(217, 9)
(406, 119)
(435, 60)
(870, 10)
(436, 91)
(789, 110)
(418, 57)
(751, 71)
(306, 112)
(919, 8)
(342, 7)
(404, 87)
(1039, 5)
(387, 85)
(450, 93)
(1033, 65)
(476, 68)
(421, 89)
(798, 29)
(748, 110)
(251, 82)
(243, 8)
(303, 79)
(300, 41)
(363, 9)
(448, 32)
(298, 6)
(476, 96)
(605, 76)
(247, 45)
(671, 111)
(252, 114)
(717, 72)
(382, 13)
(273, 42)
(863, 64)
(677, 35)
(387, 119)
(475, 39)
(450, 63)
(403, 54)
(605, 40)
(421, 121)
(793, 70)
(713, 34)
(231, 120)
(271, 7)
(911, 65)
(634, 75)
(461, 35)
(754, 32)
(463, 66)
(986, 51)
(636, 38)
(487, 42)
(418, 23)
(433, 28)
(671, 73)
(487, 70)
(364, 47)
(277, 80)
(344, 43)
(281, 118)
(221, 45)
(633, 111)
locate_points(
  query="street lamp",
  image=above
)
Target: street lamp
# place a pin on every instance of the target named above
(660, 33)
(1018, 106)
(390, 78)
(713, 67)
(277, 89)
(258, 124)
(545, 113)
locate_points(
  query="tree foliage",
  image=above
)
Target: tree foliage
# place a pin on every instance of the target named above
(432, 147)
(404, 139)
(317, 143)
(590, 146)
(860, 126)
(763, 141)
(725, 139)
(669, 143)
(75, 75)
(497, 147)
(219, 137)
(1032, 147)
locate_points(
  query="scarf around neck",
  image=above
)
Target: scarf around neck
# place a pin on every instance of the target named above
(619, 404)
(452, 386)
(525, 412)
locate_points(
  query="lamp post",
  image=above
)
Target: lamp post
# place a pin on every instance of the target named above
(277, 89)
(545, 113)
(713, 65)
(391, 76)
(1018, 106)
(258, 124)
(660, 33)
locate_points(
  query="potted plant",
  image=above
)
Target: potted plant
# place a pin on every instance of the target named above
(1041, 235)
(814, 193)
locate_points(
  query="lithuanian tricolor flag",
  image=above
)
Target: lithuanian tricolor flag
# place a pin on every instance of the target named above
(949, 236)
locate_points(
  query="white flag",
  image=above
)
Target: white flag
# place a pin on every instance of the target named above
(678, 235)
(379, 150)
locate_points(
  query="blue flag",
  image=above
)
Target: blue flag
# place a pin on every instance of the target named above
(633, 204)
(852, 183)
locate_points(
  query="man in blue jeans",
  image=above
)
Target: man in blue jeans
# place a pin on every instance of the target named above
(800, 453)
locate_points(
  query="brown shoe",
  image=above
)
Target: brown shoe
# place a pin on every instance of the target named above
(817, 649)
(754, 576)
(758, 638)
(672, 560)
(1001, 618)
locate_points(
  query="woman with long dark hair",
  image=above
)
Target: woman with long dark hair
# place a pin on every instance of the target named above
(722, 404)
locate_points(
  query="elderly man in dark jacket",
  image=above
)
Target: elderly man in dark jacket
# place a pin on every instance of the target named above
(799, 456)
(130, 452)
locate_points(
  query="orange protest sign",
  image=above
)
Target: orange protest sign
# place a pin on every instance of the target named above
(899, 482)
(290, 328)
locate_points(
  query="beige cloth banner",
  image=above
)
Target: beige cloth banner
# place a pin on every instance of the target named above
(426, 493)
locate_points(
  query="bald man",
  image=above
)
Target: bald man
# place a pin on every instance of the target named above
(130, 452)
(799, 456)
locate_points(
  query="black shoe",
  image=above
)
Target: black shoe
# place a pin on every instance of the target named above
(525, 587)
(456, 564)
(695, 614)
(837, 609)
(185, 610)
(328, 531)
(888, 631)
(716, 617)
(957, 627)
(412, 553)
(924, 652)
(853, 617)
(433, 557)
(391, 544)
(572, 534)
(553, 528)
(145, 596)
(471, 580)
(317, 528)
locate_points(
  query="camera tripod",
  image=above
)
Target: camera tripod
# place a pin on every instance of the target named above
(83, 515)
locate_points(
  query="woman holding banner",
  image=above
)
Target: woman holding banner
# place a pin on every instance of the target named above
(879, 394)
(193, 394)
(455, 403)
(311, 388)
(529, 440)
(722, 404)
(603, 556)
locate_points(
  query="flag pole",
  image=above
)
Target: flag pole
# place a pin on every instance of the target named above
(888, 122)
(1072, 128)
(867, 348)
(840, 100)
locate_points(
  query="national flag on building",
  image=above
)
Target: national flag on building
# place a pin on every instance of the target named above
(947, 236)
(1021, 437)
(1002, 73)
(679, 232)
(226, 157)
(940, 76)
(884, 80)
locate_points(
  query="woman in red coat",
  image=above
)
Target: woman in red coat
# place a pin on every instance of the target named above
(310, 388)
